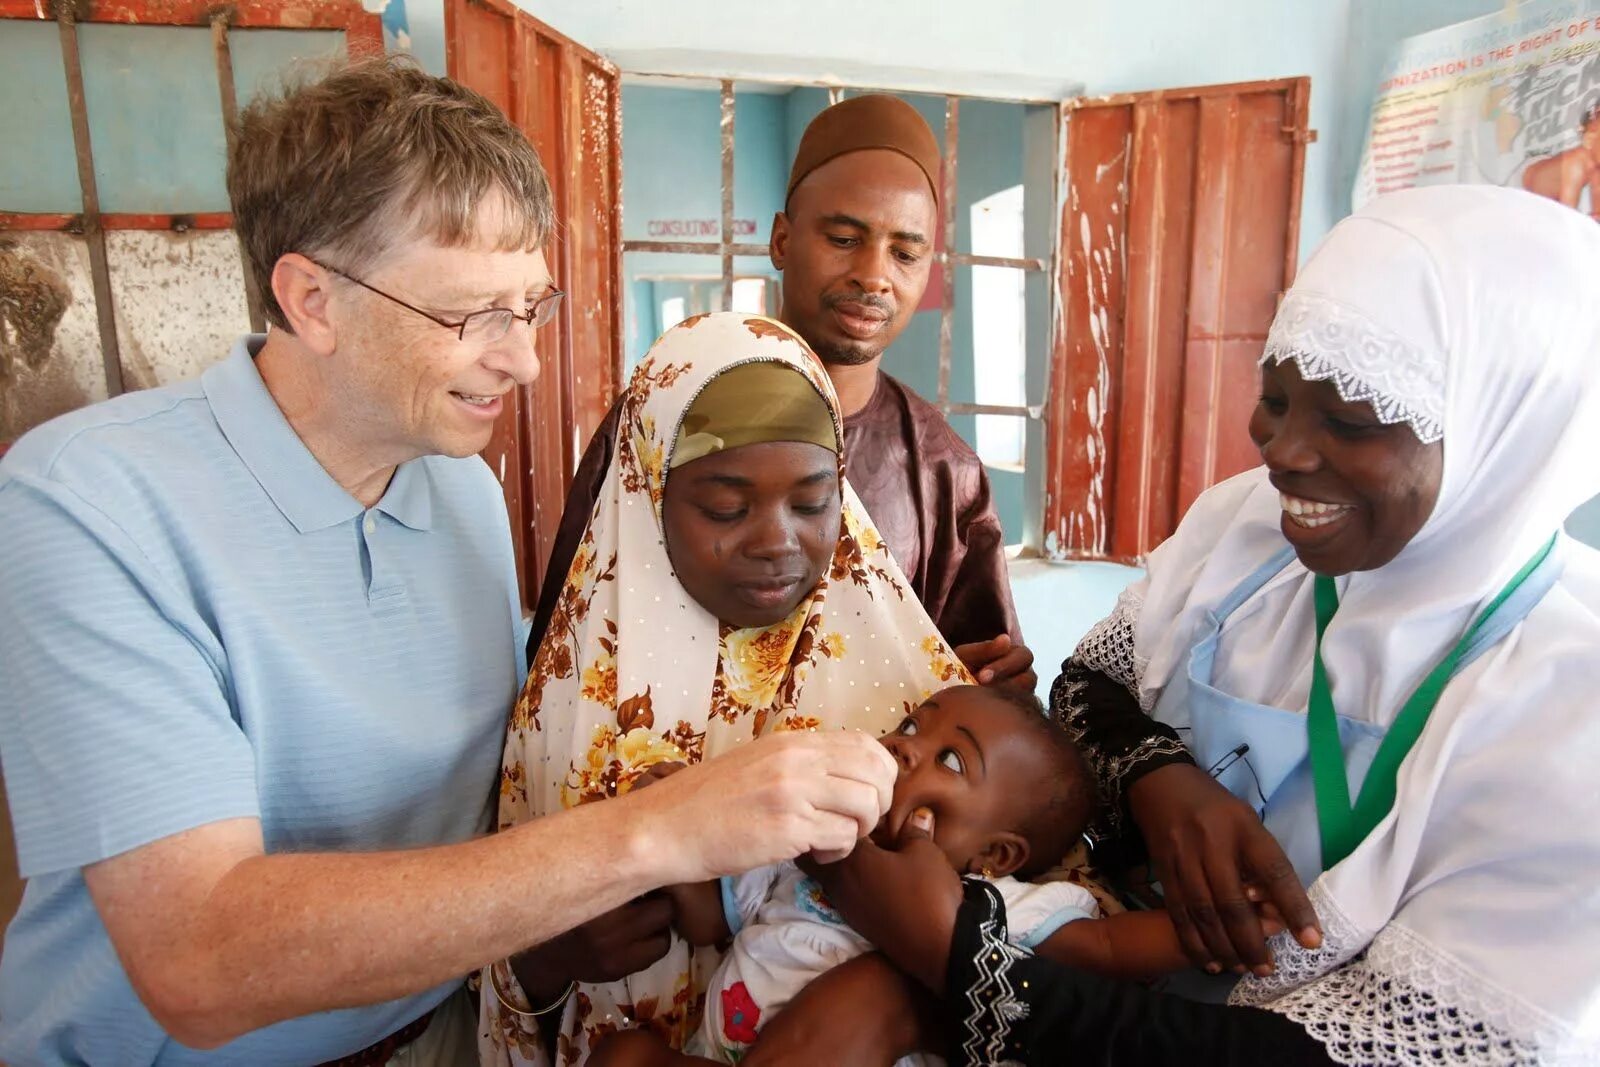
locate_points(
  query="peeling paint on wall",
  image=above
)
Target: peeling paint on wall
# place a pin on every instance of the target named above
(180, 302)
(49, 341)
(32, 301)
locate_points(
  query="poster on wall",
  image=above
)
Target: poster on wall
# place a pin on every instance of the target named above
(1510, 99)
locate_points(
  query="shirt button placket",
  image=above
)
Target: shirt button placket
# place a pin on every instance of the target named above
(385, 586)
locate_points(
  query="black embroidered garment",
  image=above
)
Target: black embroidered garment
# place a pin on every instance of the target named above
(1096, 698)
(1010, 1007)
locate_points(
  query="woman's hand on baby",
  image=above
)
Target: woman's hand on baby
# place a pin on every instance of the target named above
(1211, 853)
(999, 661)
(623, 941)
(766, 801)
(655, 772)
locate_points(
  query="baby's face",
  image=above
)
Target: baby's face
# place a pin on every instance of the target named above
(968, 758)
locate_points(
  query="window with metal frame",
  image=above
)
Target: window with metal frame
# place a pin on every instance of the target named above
(1014, 276)
(118, 296)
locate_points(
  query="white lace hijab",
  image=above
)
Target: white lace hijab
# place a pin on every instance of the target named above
(1466, 928)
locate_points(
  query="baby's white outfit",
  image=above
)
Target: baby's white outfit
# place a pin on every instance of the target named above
(786, 933)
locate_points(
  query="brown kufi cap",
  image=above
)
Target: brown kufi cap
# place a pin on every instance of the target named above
(863, 122)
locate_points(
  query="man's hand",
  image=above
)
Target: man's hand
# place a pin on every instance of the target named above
(621, 942)
(998, 661)
(1214, 858)
(769, 800)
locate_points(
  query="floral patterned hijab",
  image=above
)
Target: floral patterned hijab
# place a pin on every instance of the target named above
(634, 672)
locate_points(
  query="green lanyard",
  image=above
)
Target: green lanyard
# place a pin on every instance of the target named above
(1343, 826)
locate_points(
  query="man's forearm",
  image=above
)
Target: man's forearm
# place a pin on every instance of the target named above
(285, 935)
(219, 939)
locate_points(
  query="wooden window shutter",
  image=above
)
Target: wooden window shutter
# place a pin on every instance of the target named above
(1179, 231)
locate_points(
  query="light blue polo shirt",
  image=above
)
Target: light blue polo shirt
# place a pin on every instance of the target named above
(197, 623)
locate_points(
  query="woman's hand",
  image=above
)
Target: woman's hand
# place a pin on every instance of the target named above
(1213, 856)
(621, 942)
(655, 772)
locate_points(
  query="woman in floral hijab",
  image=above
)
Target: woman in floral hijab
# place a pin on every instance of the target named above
(635, 671)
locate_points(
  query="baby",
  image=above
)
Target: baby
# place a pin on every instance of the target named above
(1001, 790)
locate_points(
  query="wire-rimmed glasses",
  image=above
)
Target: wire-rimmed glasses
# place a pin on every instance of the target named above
(485, 326)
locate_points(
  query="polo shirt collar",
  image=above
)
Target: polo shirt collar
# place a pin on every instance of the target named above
(409, 498)
(255, 426)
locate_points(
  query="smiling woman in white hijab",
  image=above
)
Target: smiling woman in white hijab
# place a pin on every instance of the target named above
(1371, 666)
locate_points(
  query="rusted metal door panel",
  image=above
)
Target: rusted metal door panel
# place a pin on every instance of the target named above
(479, 42)
(1179, 233)
(594, 233)
(1242, 205)
(566, 99)
(547, 422)
(1086, 359)
(1143, 483)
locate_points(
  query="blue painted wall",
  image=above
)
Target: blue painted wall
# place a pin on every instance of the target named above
(672, 169)
(155, 115)
(44, 176)
(1585, 523)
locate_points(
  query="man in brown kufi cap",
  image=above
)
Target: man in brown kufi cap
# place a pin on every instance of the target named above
(855, 245)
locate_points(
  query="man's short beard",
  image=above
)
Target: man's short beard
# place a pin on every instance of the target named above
(847, 355)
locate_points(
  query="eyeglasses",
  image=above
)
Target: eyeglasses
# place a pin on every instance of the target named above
(490, 324)
(1236, 755)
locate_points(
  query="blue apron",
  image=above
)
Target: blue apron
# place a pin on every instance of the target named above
(1259, 753)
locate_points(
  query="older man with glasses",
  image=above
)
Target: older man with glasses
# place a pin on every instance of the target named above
(262, 634)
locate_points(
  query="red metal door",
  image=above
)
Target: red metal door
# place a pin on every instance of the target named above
(567, 100)
(1179, 231)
